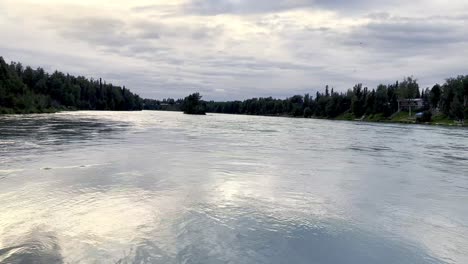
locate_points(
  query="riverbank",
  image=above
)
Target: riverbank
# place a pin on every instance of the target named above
(400, 118)
(403, 118)
(9, 111)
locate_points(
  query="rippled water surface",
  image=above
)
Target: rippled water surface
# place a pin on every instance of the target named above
(156, 187)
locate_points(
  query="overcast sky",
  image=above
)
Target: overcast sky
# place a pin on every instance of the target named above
(237, 49)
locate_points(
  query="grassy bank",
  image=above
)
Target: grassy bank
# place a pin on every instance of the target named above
(402, 117)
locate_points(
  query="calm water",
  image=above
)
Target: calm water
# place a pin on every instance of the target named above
(156, 187)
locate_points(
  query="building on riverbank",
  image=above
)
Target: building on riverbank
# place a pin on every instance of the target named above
(410, 104)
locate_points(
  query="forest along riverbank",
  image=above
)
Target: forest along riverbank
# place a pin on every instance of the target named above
(25, 90)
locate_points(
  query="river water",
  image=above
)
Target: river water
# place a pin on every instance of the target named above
(159, 187)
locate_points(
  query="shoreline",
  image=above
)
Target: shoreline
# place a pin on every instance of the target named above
(446, 122)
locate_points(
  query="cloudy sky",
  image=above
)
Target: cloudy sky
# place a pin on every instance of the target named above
(236, 49)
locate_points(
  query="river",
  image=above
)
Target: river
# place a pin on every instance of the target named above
(161, 187)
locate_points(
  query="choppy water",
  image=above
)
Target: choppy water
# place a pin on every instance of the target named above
(156, 187)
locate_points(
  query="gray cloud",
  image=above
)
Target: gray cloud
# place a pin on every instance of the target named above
(383, 49)
(109, 32)
(156, 30)
(94, 30)
(407, 36)
(214, 7)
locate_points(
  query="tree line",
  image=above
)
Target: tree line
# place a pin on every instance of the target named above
(27, 90)
(450, 99)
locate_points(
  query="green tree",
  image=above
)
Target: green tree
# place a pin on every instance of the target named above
(434, 96)
(465, 91)
(357, 103)
(307, 112)
(456, 109)
(408, 89)
(193, 105)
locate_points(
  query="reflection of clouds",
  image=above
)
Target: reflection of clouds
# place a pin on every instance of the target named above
(399, 181)
(35, 134)
(36, 246)
(441, 236)
(90, 224)
(256, 237)
(263, 193)
(170, 188)
(436, 228)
